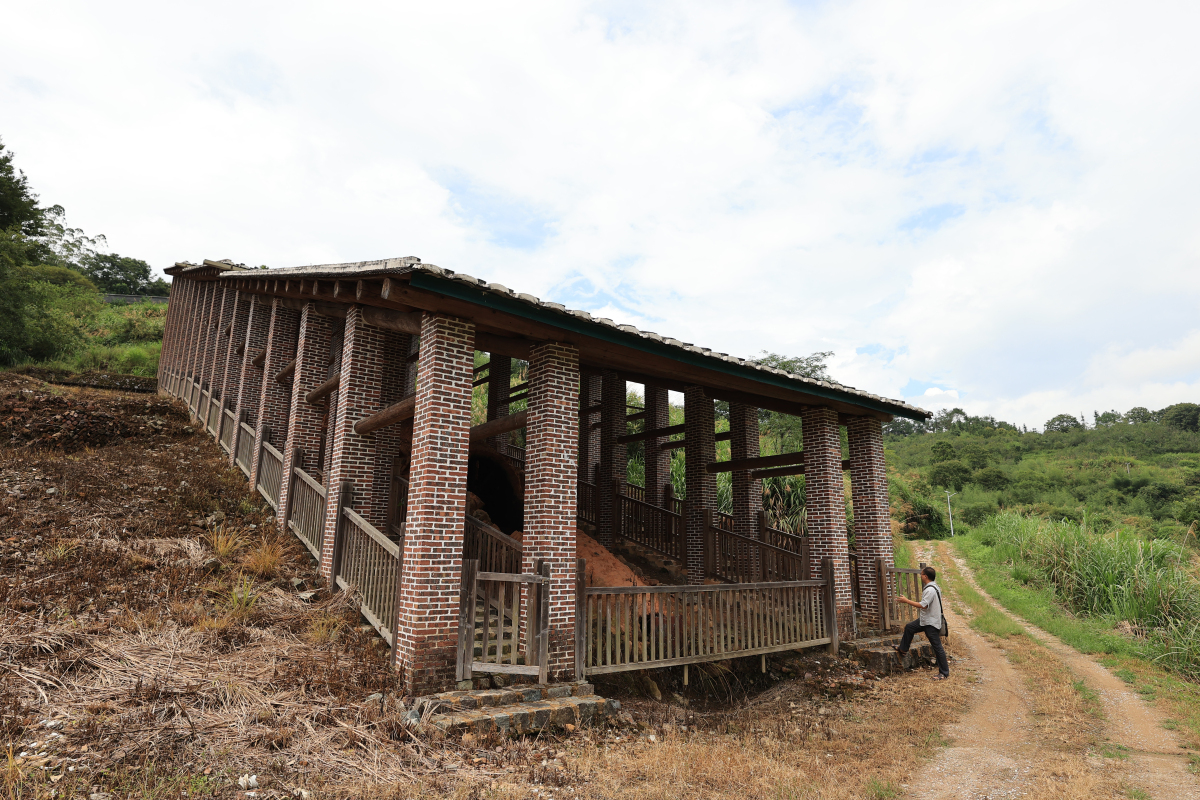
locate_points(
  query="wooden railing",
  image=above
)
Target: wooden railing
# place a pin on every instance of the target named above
(902, 582)
(228, 426)
(306, 510)
(214, 415)
(513, 455)
(855, 597)
(646, 627)
(193, 396)
(270, 473)
(778, 538)
(735, 558)
(245, 447)
(493, 549)
(585, 502)
(650, 526)
(634, 491)
(367, 561)
(493, 612)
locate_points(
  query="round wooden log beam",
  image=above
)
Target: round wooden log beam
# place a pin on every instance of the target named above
(326, 388)
(496, 427)
(397, 412)
(288, 370)
(392, 320)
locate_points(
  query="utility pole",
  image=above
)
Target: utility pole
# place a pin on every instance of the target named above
(949, 510)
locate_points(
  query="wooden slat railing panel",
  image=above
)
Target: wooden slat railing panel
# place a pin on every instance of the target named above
(306, 516)
(651, 526)
(270, 474)
(585, 508)
(493, 612)
(214, 416)
(738, 559)
(493, 549)
(228, 426)
(368, 564)
(245, 447)
(904, 583)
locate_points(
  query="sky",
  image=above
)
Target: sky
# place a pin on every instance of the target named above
(984, 205)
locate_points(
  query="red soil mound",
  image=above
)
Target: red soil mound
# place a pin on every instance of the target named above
(603, 568)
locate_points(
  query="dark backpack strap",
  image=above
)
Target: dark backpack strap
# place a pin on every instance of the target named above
(942, 612)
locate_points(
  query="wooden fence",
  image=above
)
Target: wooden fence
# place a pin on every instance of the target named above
(646, 627)
(902, 582)
(306, 510)
(493, 612)
(245, 447)
(735, 558)
(270, 473)
(585, 502)
(365, 559)
(650, 526)
(492, 548)
(228, 426)
(214, 415)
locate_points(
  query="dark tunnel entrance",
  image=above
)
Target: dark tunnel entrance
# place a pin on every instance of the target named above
(492, 481)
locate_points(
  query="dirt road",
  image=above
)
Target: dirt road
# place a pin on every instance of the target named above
(1001, 748)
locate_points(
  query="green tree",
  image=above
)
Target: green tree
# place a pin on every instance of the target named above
(1107, 419)
(1185, 416)
(951, 474)
(52, 273)
(974, 454)
(1063, 423)
(19, 211)
(117, 274)
(1139, 414)
(942, 451)
(992, 478)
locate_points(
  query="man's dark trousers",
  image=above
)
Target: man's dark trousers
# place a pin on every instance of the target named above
(934, 635)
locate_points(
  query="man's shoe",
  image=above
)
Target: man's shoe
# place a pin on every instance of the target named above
(941, 677)
(896, 647)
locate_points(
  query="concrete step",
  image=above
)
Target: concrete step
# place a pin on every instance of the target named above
(877, 654)
(516, 710)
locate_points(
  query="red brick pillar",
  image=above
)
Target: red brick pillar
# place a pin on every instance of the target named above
(371, 365)
(825, 503)
(658, 462)
(583, 471)
(196, 329)
(499, 381)
(221, 360)
(239, 317)
(335, 368)
(747, 494)
(872, 517)
(275, 402)
(258, 326)
(552, 432)
(208, 353)
(164, 354)
(184, 324)
(613, 466)
(305, 420)
(427, 630)
(699, 422)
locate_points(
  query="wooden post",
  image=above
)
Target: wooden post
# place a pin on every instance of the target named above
(466, 619)
(881, 583)
(297, 461)
(830, 607)
(237, 436)
(580, 610)
(543, 622)
(344, 497)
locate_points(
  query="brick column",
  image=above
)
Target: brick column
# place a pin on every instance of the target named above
(196, 328)
(221, 359)
(825, 503)
(658, 462)
(427, 630)
(258, 326)
(582, 472)
(184, 323)
(370, 365)
(499, 380)
(304, 420)
(747, 494)
(208, 352)
(239, 317)
(613, 466)
(552, 433)
(699, 420)
(168, 331)
(595, 395)
(275, 401)
(335, 368)
(872, 517)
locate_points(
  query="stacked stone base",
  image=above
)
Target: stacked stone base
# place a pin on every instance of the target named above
(876, 654)
(516, 710)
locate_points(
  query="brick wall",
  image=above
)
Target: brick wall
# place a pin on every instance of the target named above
(196, 329)
(258, 325)
(208, 352)
(228, 302)
(367, 355)
(699, 420)
(305, 420)
(658, 462)
(429, 588)
(390, 441)
(552, 433)
(499, 380)
(276, 400)
(613, 466)
(239, 318)
(824, 492)
(872, 517)
(747, 494)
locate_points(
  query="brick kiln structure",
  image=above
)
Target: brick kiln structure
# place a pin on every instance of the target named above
(345, 394)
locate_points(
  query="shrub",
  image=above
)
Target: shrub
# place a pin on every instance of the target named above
(951, 474)
(975, 513)
(992, 478)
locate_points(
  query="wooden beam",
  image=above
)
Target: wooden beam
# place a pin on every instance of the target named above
(397, 412)
(654, 434)
(723, 436)
(392, 320)
(740, 464)
(798, 469)
(635, 417)
(503, 345)
(288, 370)
(673, 445)
(496, 427)
(325, 389)
(368, 290)
(592, 410)
(259, 359)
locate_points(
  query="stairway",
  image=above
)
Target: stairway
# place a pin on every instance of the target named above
(877, 655)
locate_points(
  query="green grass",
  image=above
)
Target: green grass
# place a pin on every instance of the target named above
(881, 790)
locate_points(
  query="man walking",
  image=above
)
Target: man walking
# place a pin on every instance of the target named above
(928, 620)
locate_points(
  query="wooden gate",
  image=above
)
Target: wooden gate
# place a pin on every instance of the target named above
(897, 581)
(495, 609)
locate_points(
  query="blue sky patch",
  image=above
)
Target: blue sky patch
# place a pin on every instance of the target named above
(504, 219)
(931, 218)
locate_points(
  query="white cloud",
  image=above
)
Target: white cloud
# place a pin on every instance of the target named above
(998, 199)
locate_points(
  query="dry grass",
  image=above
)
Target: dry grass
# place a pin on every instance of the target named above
(266, 559)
